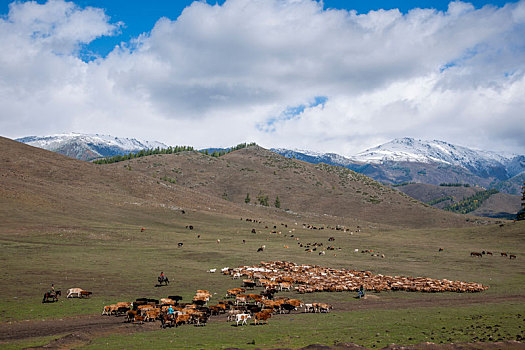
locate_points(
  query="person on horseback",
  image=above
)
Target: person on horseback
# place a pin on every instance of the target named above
(171, 311)
(52, 290)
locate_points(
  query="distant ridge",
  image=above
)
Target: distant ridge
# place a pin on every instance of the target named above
(88, 146)
(431, 162)
(435, 151)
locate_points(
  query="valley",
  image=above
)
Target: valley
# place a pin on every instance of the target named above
(111, 229)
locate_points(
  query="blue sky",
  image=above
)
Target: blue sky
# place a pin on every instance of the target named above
(341, 77)
(139, 17)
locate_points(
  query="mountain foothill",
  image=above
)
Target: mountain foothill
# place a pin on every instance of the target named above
(40, 186)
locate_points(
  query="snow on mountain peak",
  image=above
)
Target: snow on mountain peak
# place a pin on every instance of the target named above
(89, 146)
(435, 151)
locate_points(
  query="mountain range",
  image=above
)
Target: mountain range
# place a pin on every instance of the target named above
(88, 147)
(434, 162)
(404, 160)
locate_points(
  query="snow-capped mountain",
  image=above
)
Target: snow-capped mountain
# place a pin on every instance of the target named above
(87, 147)
(435, 151)
(432, 162)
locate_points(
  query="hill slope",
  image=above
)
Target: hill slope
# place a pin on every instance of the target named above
(500, 205)
(39, 187)
(302, 187)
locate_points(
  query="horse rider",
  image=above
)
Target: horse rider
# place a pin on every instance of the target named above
(161, 277)
(171, 311)
(52, 290)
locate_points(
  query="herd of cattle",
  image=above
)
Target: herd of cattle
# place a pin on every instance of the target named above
(314, 278)
(239, 308)
(503, 254)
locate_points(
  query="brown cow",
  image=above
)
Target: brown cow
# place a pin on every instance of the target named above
(262, 316)
(85, 294)
(182, 319)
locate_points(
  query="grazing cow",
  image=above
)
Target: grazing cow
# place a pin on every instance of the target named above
(476, 254)
(180, 244)
(323, 307)
(262, 316)
(243, 318)
(235, 291)
(107, 310)
(285, 285)
(503, 254)
(512, 256)
(151, 315)
(74, 292)
(212, 270)
(287, 307)
(309, 308)
(182, 319)
(441, 249)
(176, 298)
(201, 320)
(85, 294)
(489, 253)
(240, 299)
(232, 314)
(142, 229)
(261, 248)
(218, 241)
(250, 284)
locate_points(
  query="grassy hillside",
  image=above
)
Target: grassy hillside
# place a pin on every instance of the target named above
(317, 189)
(497, 205)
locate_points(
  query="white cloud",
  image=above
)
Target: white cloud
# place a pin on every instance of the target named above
(215, 74)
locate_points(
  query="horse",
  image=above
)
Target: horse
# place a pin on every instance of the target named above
(51, 296)
(163, 279)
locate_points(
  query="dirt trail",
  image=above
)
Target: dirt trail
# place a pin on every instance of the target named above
(80, 329)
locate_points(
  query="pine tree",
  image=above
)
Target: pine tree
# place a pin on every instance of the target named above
(521, 213)
(247, 199)
(277, 202)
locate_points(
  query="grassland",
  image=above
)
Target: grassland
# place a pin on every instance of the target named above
(75, 225)
(121, 263)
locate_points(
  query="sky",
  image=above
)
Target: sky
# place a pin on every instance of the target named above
(332, 76)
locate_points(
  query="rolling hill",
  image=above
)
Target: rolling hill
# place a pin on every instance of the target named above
(42, 187)
(304, 188)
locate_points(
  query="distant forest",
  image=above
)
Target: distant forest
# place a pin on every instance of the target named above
(471, 203)
(169, 150)
(143, 153)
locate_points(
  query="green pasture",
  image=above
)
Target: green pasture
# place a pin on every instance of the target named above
(371, 328)
(118, 262)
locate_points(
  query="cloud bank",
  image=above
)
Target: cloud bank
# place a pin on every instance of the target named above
(281, 73)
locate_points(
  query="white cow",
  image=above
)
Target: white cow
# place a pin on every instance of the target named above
(242, 318)
(74, 292)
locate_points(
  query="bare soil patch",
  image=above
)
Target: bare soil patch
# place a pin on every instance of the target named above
(75, 331)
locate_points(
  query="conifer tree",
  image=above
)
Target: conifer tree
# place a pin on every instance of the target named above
(277, 202)
(521, 213)
(247, 199)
